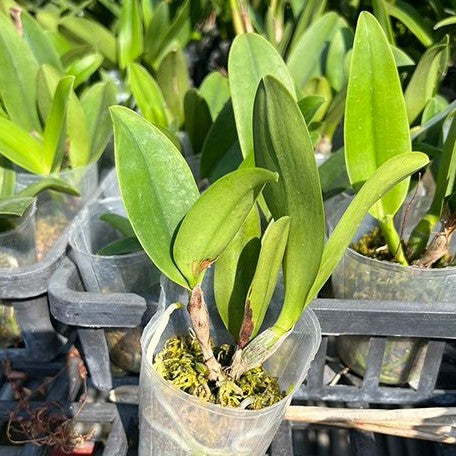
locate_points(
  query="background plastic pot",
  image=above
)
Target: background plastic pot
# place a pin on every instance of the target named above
(17, 245)
(359, 277)
(55, 210)
(175, 423)
(133, 272)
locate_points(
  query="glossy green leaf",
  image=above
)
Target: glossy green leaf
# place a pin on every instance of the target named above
(333, 175)
(91, 32)
(120, 223)
(156, 184)
(376, 125)
(425, 79)
(221, 151)
(130, 39)
(121, 247)
(451, 20)
(386, 177)
(39, 42)
(306, 58)
(444, 187)
(198, 119)
(341, 43)
(20, 147)
(49, 183)
(177, 34)
(401, 58)
(320, 87)
(148, 95)
(234, 270)
(7, 178)
(381, 13)
(55, 129)
(310, 105)
(95, 102)
(282, 144)
(264, 281)
(215, 89)
(251, 58)
(156, 32)
(18, 77)
(173, 78)
(84, 67)
(214, 220)
(435, 105)
(412, 19)
(15, 205)
(147, 8)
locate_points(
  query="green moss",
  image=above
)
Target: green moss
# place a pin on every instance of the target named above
(373, 245)
(181, 363)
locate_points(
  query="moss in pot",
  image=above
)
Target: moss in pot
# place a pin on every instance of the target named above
(380, 264)
(184, 233)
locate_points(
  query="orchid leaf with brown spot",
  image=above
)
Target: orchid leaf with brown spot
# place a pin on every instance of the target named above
(264, 281)
(214, 220)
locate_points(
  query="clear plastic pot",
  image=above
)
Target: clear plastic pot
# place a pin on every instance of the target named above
(175, 423)
(360, 277)
(133, 273)
(17, 245)
(55, 210)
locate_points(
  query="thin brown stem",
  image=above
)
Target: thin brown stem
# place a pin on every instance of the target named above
(199, 316)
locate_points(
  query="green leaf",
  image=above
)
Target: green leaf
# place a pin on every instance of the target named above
(7, 178)
(251, 58)
(386, 177)
(121, 247)
(148, 167)
(148, 95)
(425, 79)
(319, 86)
(15, 205)
(333, 175)
(215, 89)
(39, 42)
(95, 102)
(84, 67)
(20, 147)
(147, 9)
(435, 105)
(55, 129)
(412, 19)
(234, 270)
(221, 151)
(91, 32)
(401, 58)
(77, 130)
(444, 187)
(341, 43)
(118, 222)
(173, 78)
(198, 119)
(305, 59)
(264, 281)
(451, 20)
(156, 32)
(18, 78)
(376, 126)
(176, 34)
(130, 37)
(310, 105)
(49, 183)
(381, 13)
(282, 144)
(215, 218)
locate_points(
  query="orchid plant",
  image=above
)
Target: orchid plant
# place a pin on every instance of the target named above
(184, 233)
